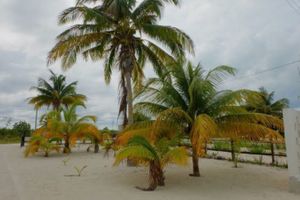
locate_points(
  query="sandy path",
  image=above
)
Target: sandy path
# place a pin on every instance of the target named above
(39, 178)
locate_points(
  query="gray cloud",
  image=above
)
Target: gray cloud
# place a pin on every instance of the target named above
(249, 35)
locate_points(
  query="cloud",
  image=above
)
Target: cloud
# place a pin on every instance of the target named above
(249, 35)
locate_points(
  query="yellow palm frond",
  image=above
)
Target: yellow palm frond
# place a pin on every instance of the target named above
(124, 137)
(258, 118)
(172, 116)
(37, 143)
(87, 130)
(203, 128)
(176, 155)
(238, 130)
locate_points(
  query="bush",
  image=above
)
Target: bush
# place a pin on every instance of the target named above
(221, 145)
(22, 128)
(257, 148)
(6, 132)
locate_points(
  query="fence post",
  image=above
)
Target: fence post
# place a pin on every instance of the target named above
(272, 152)
(232, 150)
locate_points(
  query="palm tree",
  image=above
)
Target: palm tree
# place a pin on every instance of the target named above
(189, 92)
(55, 93)
(267, 105)
(157, 155)
(68, 126)
(125, 34)
(44, 143)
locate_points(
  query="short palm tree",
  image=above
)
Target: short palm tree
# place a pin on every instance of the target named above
(267, 105)
(189, 92)
(157, 155)
(55, 93)
(43, 143)
(125, 34)
(70, 127)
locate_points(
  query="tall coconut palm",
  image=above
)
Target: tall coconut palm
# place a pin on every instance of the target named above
(125, 34)
(55, 93)
(190, 92)
(157, 154)
(267, 104)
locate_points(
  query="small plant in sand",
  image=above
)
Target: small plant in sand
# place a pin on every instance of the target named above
(78, 170)
(65, 161)
(41, 143)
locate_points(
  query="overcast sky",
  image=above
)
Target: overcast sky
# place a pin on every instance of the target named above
(251, 35)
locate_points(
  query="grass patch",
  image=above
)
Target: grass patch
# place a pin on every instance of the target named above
(9, 140)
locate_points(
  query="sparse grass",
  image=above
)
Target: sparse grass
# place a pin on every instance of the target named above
(78, 170)
(9, 140)
(65, 161)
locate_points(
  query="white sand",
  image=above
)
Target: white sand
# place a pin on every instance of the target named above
(39, 178)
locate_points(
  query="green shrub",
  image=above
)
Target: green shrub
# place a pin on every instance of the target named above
(257, 148)
(221, 145)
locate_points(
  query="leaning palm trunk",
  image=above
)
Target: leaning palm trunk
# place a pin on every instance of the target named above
(155, 173)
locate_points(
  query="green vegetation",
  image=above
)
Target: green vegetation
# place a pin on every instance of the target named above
(14, 134)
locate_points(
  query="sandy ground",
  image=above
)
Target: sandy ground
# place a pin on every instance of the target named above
(39, 178)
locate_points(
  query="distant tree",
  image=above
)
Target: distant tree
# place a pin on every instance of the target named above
(55, 93)
(267, 105)
(22, 128)
(8, 122)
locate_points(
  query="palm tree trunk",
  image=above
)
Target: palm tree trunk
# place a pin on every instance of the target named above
(232, 150)
(195, 158)
(36, 117)
(67, 145)
(161, 177)
(130, 162)
(154, 174)
(96, 148)
(129, 97)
